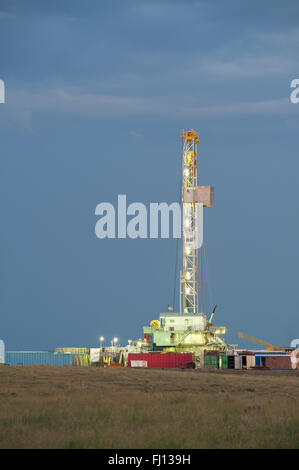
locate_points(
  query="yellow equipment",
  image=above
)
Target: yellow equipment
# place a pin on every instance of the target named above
(269, 346)
(107, 360)
(81, 360)
(72, 350)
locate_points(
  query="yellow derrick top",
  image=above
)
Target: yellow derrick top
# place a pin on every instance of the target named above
(190, 135)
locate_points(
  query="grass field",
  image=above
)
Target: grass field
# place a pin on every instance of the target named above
(68, 407)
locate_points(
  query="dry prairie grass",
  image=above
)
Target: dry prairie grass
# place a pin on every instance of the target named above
(66, 407)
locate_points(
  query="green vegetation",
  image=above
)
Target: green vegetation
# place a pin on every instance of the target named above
(68, 407)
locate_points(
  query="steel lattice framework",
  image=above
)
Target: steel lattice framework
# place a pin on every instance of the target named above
(189, 291)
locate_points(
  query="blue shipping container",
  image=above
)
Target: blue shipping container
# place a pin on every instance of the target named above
(258, 356)
(271, 353)
(30, 358)
(257, 360)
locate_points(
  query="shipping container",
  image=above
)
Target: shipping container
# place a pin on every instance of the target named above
(261, 357)
(2, 351)
(28, 358)
(257, 361)
(278, 362)
(211, 362)
(238, 362)
(295, 359)
(223, 362)
(94, 354)
(250, 361)
(271, 353)
(161, 360)
(244, 362)
(263, 361)
(231, 361)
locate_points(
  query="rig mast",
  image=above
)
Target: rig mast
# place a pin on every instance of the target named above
(189, 274)
(194, 198)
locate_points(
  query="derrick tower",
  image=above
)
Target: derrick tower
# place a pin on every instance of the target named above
(189, 274)
(194, 198)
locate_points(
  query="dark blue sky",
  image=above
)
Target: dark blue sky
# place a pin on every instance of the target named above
(97, 94)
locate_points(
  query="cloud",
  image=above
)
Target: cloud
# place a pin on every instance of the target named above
(266, 107)
(167, 10)
(249, 67)
(10, 117)
(285, 39)
(71, 100)
(6, 15)
(21, 105)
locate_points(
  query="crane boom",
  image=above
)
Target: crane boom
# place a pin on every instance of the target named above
(259, 341)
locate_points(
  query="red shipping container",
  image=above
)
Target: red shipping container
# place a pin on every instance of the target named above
(161, 360)
(278, 362)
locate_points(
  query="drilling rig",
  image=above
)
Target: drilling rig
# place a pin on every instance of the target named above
(189, 330)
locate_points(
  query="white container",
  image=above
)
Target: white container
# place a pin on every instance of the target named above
(250, 361)
(2, 352)
(94, 354)
(238, 362)
(295, 359)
